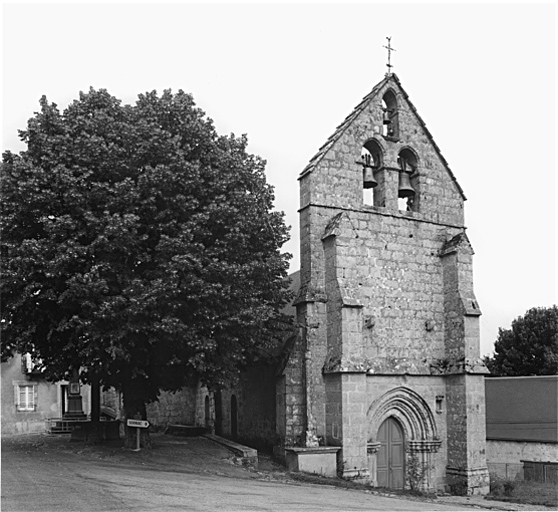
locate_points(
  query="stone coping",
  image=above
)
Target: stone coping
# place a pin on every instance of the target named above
(243, 451)
(313, 449)
(185, 430)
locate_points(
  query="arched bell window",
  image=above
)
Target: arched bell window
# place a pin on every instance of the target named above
(407, 192)
(372, 161)
(390, 116)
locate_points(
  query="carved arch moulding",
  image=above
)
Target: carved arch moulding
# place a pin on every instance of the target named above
(412, 412)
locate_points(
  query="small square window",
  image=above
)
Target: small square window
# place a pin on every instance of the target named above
(25, 397)
(439, 405)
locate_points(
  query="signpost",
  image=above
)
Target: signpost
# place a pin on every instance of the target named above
(138, 424)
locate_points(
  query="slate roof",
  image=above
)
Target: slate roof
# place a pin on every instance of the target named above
(522, 408)
(294, 286)
(354, 114)
(453, 244)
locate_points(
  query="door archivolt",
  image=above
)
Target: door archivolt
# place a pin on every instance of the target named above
(400, 424)
(407, 407)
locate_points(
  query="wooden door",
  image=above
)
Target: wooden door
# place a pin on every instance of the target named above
(391, 455)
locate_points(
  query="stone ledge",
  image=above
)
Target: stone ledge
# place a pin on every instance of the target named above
(314, 449)
(248, 456)
(185, 430)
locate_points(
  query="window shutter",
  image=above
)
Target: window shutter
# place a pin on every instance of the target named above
(26, 397)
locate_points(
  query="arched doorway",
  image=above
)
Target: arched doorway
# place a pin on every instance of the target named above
(401, 423)
(218, 413)
(391, 455)
(234, 417)
(207, 412)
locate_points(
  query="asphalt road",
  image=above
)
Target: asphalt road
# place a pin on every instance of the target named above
(45, 479)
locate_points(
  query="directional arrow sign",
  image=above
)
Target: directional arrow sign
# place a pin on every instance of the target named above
(138, 423)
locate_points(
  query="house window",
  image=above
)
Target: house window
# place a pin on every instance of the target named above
(26, 397)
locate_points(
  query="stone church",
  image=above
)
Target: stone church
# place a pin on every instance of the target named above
(386, 362)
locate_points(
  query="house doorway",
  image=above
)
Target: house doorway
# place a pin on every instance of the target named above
(63, 400)
(391, 455)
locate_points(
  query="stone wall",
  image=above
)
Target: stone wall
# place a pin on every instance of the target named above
(257, 408)
(514, 452)
(174, 408)
(504, 457)
(171, 408)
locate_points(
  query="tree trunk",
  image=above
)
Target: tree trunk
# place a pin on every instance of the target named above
(134, 409)
(95, 434)
(95, 401)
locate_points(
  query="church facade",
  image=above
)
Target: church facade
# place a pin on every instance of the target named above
(386, 361)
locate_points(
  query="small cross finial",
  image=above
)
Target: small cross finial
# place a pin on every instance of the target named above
(389, 49)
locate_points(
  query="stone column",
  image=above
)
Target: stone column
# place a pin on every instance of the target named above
(467, 472)
(372, 450)
(75, 407)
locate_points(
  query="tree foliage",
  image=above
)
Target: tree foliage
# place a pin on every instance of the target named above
(139, 245)
(530, 347)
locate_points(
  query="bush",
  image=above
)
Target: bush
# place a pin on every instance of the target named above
(509, 486)
(500, 487)
(496, 487)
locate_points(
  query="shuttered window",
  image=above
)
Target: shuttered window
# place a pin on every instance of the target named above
(25, 397)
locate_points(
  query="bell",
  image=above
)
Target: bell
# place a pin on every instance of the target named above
(368, 177)
(387, 120)
(405, 189)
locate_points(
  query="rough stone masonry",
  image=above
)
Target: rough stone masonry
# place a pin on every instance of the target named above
(386, 363)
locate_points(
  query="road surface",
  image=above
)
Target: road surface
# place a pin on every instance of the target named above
(43, 478)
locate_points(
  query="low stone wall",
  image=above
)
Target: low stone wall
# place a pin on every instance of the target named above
(321, 460)
(513, 452)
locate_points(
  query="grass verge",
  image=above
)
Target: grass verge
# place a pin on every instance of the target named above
(525, 492)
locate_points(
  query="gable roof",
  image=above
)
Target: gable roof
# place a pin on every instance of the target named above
(354, 114)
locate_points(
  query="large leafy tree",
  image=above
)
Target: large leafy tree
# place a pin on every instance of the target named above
(530, 347)
(139, 246)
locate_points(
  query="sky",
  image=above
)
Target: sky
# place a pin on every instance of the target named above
(481, 75)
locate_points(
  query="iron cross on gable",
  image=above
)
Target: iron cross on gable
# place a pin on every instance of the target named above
(389, 49)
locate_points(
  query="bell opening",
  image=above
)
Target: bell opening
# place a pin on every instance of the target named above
(371, 161)
(404, 204)
(390, 124)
